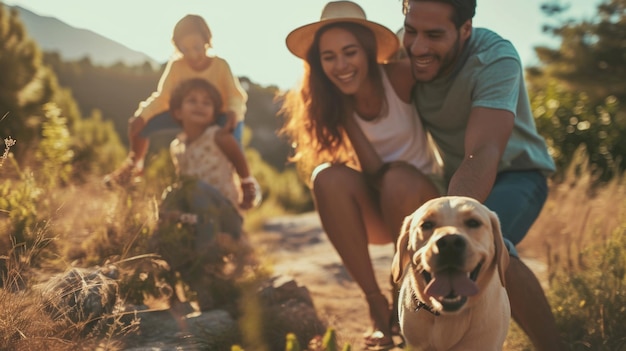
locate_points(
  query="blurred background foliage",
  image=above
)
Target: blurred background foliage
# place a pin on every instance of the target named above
(579, 88)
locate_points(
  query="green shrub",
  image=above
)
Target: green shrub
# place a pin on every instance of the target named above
(19, 202)
(569, 120)
(590, 304)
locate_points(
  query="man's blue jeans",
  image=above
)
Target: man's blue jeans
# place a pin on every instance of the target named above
(517, 197)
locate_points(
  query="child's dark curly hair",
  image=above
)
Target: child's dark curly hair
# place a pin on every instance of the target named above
(179, 93)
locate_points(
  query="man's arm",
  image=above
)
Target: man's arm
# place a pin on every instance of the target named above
(488, 131)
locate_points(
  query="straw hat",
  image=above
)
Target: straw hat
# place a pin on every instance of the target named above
(300, 39)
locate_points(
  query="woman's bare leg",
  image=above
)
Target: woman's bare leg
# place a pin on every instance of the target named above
(402, 190)
(351, 220)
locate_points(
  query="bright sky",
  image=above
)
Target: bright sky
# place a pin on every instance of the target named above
(250, 34)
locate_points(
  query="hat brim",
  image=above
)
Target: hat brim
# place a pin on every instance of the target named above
(299, 41)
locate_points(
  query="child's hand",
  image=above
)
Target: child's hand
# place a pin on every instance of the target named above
(251, 193)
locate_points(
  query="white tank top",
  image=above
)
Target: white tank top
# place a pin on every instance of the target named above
(400, 135)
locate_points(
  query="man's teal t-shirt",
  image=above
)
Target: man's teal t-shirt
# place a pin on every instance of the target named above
(488, 74)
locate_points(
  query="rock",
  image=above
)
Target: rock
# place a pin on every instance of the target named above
(84, 295)
(164, 330)
(285, 307)
(288, 308)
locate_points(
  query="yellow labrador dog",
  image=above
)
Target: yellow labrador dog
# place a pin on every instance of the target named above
(450, 263)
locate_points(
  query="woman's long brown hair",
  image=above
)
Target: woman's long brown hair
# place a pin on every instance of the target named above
(315, 113)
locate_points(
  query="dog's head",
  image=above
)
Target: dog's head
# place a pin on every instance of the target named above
(453, 246)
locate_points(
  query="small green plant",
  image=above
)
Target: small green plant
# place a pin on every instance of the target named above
(19, 200)
(329, 342)
(292, 343)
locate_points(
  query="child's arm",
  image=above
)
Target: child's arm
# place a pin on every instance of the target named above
(159, 100)
(229, 146)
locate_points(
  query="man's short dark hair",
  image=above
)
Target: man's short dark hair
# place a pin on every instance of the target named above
(463, 9)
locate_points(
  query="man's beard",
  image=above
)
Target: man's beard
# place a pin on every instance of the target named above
(448, 61)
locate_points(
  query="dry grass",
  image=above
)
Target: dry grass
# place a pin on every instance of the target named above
(576, 215)
(575, 238)
(27, 321)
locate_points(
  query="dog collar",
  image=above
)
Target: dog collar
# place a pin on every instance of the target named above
(419, 305)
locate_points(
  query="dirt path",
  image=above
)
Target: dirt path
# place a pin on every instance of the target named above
(297, 246)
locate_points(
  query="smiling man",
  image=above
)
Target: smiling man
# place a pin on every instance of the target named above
(472, 98)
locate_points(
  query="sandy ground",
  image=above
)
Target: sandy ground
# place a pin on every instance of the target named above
(297, 246)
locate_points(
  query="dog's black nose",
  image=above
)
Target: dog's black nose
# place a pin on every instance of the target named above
(451, 246)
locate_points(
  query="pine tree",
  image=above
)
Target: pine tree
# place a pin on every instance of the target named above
(578, 90)
(592, 54)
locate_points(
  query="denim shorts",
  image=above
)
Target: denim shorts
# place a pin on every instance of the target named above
(517, 197)
(164, 122)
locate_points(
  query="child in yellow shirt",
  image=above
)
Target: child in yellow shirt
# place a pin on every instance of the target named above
(191, 38)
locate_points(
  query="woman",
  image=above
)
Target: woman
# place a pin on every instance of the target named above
(353, 122)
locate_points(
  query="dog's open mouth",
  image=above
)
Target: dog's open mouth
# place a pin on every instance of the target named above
(451, 287)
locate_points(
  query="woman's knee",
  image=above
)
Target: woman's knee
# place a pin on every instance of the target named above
(335, 180)
(406, 181)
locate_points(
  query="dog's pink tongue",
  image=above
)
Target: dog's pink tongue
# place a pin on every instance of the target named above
(445, 283)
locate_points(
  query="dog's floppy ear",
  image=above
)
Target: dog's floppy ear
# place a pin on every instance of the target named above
(400, 259)
(502, 254)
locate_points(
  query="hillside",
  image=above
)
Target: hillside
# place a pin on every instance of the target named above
(72, 43)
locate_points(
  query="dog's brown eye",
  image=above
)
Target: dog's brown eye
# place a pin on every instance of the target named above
(426, 225)
(473, 223)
